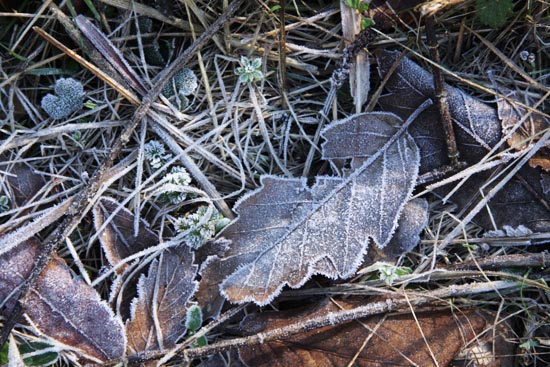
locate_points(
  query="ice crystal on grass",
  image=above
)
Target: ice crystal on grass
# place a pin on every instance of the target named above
(69, 98)
(174, 190)
(199, 228)
(156, 154)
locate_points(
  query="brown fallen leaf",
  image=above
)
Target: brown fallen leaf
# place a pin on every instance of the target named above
(23, 183)
(477, 127)
(16, 266)
(117, 236)
(67, 310)
(61, 307)
(432, 339)
(511, 115)
(159, 312)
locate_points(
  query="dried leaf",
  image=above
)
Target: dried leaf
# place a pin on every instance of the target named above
(476, 124)
(286, 231)
(117, 237)
(477, 127)
(23, 183)
(413, 219)
(68, 310)
(159, 312)
(15, 267)
(526, 134)
(399, 340)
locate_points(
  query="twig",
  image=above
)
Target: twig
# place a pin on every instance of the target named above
(441, 93)
(535, 260)
(282, 52)
(400, 301)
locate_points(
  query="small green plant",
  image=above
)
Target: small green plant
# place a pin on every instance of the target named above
(361, 6)
(174, 190)
(493, 13)
(4, 354)
(199, 228)
(77, 135)
(4, 203)
(183, 84)
(45, 358)
(193, 322)
(155, 153)
(38, 359)
(250, 70)
(529, 344)
(388, 272)
(68, 99)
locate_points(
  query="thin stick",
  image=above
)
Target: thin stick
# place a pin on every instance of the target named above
(441, 93)
(392, 304)
(282, 52)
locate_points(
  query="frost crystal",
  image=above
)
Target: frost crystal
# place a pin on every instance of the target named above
(174, 189)
(199, 228)
(68, 98)
(155, 153)
(183, 84)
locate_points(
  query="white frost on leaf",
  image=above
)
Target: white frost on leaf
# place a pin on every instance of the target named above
(158, 313)
(282, 237)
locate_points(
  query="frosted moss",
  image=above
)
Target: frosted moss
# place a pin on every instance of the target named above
(68, 99)
(183, 84)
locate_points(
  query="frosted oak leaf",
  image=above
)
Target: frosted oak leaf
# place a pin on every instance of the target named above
(287, 231)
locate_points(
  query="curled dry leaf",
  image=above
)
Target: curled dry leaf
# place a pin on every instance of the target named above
(117, 236)
(158, 314)
(287, 231)
(398, 340)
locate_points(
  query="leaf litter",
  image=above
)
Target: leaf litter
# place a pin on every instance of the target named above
(314, 212)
